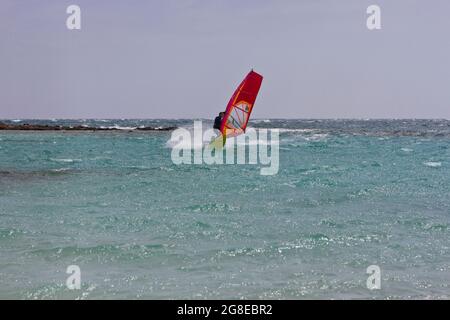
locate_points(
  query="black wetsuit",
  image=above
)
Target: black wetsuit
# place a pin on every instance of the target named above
(217, 122)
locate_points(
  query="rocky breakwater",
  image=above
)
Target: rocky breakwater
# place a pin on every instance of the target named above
(46, 127)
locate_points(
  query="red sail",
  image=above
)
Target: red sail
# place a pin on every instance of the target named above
(240, 106)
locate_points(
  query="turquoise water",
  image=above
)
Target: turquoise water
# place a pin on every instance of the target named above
(349, 194)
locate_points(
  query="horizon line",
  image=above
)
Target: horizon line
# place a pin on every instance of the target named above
(210, 119)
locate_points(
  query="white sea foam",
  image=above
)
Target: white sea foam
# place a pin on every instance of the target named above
(293, 130)
(16, 120)
(260, 120)
(65, 160)
(316, 137)
(407, 150)
(433, 164)
(230, 142)
(116, 126)
(60, 170)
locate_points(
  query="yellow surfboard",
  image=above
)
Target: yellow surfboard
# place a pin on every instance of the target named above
(218, 143)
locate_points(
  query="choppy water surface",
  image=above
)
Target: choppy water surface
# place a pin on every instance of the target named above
(349, 194)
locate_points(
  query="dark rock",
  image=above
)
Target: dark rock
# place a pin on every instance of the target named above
(46, 127)
(156, 129)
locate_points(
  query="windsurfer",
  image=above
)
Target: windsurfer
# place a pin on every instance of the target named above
(218, 120)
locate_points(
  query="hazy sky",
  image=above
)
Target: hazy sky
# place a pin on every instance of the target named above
(183, 59)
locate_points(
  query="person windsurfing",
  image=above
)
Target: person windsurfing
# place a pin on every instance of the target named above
(218, 120)
(234, 120)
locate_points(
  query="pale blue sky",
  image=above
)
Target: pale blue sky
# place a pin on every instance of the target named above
(183, 59)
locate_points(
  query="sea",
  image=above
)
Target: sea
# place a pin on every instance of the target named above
(350, 197)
